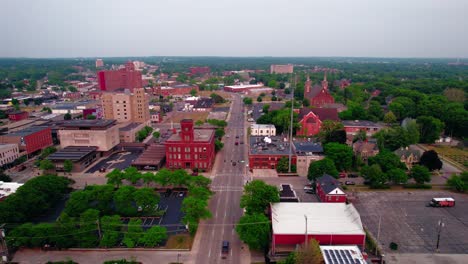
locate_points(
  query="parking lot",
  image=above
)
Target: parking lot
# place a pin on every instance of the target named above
(297, 183)
(120, 160)
(407, 221)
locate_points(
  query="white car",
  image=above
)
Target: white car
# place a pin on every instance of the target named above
(308, 187)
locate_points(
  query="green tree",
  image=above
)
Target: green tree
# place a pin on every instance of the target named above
(153, 236)
(265, 108)
(67, 116)
(257, 196)
(157, 135)
(430, 128)
(459, 182)
(115, 177)
(132, 174)
(247, 100)
(193, 92)
(375, 111)
(146, 199)
(110, 226)
(387, 160)
(4, 177)
(420, 174)
(397, 176)
(390, 118)
(77, 203)
(254, 230)
(332, 131)
(259, 99)
(218, 145)
(46, 165)
(318, 168)
(68, 166)
(305, 102)
(133, 234)
(283, 165)
(309, 254)
(123, 200)
(375, 175)
(91, 117)
(430, 160)
(342, 155)
(219, 132)
(87, 237)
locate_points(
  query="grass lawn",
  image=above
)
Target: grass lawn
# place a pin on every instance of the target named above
(458, 155)
(180, 241)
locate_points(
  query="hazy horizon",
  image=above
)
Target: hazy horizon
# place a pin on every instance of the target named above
(419, 29)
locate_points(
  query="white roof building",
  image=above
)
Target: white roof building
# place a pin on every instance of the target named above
(8, 188)
(322, 218)
(342, 255)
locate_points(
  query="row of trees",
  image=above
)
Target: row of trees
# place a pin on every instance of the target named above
(143, 133)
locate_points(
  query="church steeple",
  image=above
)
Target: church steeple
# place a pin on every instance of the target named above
(325, 82)
(308, 84)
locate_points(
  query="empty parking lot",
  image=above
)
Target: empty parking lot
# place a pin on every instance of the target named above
(407, 221)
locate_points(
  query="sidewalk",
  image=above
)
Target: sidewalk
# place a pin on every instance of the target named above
(426, 258)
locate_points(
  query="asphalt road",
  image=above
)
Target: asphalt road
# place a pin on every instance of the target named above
(227, 183)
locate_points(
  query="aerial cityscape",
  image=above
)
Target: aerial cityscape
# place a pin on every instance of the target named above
(240, 132)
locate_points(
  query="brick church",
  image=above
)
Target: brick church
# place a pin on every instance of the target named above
(318, 95)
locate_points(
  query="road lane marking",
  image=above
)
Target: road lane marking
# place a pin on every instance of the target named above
(209, 253)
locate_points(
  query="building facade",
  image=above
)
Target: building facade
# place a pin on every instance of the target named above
(29, 140)
(311, 119)
(103, 134)
(199, 70)
(18, 116)
(266, 152)
(175, 90)
(191, 148)
(8, 153)
(127, 133)
(126, 78)
(352, 127)
(307, 152)
(288, 68)
(99, 63)
(262, 130)
(127, 107)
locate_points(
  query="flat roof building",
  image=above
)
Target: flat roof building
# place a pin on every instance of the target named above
(288, 68)
(29, 140)
(342, 255)
(127, 107)
(262, 130)
(265, 152)
(328, 223)
(81, 157)
(103, 134)
(240, 88)
(307, 152)
(8, 153)
(126, 78)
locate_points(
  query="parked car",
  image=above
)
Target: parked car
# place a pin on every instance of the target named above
(352, 175)
(342, 174)
(349, 183)
(234, 163)
(224, 249)
(237, 143)
(308, 187)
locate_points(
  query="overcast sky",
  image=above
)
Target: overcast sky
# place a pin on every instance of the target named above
(355, 28)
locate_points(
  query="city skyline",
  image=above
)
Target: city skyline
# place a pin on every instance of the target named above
(362, 28)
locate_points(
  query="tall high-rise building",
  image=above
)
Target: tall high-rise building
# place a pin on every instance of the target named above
(99, 63)
(125, 78)
(126, 106)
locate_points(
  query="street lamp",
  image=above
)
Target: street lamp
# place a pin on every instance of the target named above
(440, 224)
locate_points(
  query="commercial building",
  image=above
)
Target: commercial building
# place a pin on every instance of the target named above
(352, 127)
(103, 134)
(175, 90)
(266, 152)
(328, 190)
(152, 158)
(241, 88)
(74, 107)
(127, 107)
(81, 157)
(311, 119)
(127, 133)
(318, 95)
(328, 223)
(8, 188)
(99, 63)
(8, 153)
(190, 148)
(155, 117)
(18, 115)
(199, 70)
(288, 68)
(262, 130)
(30, 139)
(126, 78)
(306, 153)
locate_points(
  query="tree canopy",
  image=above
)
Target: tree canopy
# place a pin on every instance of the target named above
(257, 196)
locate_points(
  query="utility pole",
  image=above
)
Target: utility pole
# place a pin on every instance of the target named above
(305, 234)
(99, 229)
(3, 245)
(378, 235)
(440, 226)
(291, 126)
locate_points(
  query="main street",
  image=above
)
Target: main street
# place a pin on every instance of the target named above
(228, 180)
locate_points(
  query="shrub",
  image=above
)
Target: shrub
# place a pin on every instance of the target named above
(393, 246)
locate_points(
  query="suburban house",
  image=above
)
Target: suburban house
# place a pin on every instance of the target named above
(408, 156)
(328, 190)
(311, 120)
(365, 149)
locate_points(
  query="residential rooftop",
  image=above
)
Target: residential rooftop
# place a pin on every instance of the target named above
(305, 147)
(360, 123)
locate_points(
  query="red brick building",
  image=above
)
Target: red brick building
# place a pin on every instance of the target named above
(127, 78)
(199, 70)
(18, 115)
(352, 127)
(178, 89)
(311, 120)
(266, 152)
(190, 148)
(30, 140)
(318, 95)
(328, 190)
